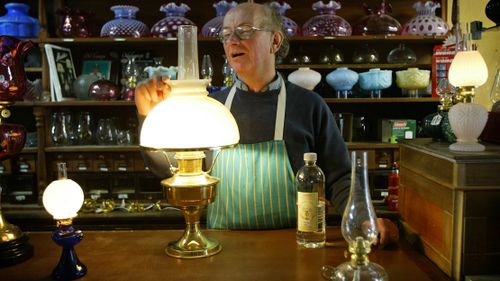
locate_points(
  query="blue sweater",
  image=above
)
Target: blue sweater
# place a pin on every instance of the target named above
(309, 127)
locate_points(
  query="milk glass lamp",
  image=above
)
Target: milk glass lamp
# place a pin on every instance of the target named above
(467, 119)
(189, 122)
(62, 199)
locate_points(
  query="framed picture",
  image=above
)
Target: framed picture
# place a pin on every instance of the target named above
(101, 68)
(62, 72)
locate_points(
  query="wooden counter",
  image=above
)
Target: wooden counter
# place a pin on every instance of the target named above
(246, 255)
(450, 200)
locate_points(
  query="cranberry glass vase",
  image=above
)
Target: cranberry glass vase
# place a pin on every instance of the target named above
(426, 23)
(291, 27)
(103, 90)
(168, 26)
(75, 23)
(12, 75)
(377, 22)
(326, 23)
(213, 26)
(124, 24)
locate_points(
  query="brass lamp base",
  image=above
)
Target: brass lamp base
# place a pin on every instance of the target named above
(191, 189)
(14, 245)
(193, 244)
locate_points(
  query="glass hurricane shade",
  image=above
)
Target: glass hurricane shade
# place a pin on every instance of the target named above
(189, 119)
(467, 69)
(63, 198)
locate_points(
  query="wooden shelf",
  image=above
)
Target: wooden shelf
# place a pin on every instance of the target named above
(396, 38)
(356, 66)
(29, 150)
(33, 69)
(85, 103)
(382, 100)
(372, 145)
(94, 148)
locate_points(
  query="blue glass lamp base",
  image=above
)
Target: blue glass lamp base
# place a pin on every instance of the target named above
(69, 266)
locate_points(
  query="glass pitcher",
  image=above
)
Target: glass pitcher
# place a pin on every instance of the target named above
(12, 76)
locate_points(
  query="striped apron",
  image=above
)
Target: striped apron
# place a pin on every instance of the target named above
(257, 188)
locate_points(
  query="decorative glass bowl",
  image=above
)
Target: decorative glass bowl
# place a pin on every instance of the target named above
(168, 26)
(401, 54)
(378, 22)
(124, 24)
(331, 56)
(426, 22)
(104, 90)
(413, 79)
(342, 80)
(326, 23)
(375, 80)
(305, 77)
(365, 54)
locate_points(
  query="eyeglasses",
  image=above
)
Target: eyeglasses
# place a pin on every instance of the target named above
(242, 32)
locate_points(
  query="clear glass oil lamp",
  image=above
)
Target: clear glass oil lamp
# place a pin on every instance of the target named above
(359, 228)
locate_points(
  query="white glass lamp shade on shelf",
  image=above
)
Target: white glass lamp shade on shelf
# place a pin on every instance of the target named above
(467, 119)
(63, 198)
(189, 119)
(305, 77)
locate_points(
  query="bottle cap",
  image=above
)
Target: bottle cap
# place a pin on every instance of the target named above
(310, 156)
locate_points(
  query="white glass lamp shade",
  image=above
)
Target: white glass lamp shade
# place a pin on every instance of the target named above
(63, 198)
(467, 120)
(305, 77)
(467, 69)
(188, 120)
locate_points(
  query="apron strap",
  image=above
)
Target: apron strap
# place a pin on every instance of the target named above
(280, 109)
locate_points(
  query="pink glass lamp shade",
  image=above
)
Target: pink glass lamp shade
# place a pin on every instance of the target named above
(291, 27)
(326, 22)
(377, 22)
(213, 26)
(468, 119)
(13, 78)
(426, 22)
(168, 26)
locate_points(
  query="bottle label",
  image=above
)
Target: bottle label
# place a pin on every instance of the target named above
(307, 203)
(436, 120)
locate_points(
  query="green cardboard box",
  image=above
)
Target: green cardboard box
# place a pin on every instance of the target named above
(394, 129)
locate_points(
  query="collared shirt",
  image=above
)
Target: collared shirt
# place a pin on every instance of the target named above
(275, 84)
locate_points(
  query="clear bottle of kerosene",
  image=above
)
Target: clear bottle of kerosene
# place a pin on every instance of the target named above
(310, 180)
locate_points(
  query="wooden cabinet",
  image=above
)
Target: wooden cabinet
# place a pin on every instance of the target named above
(449, 201)
(103, 163)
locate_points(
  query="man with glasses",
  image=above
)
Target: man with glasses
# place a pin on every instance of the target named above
(278, 122)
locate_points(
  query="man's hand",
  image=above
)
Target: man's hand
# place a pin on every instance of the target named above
(149, 93)
(388, 232)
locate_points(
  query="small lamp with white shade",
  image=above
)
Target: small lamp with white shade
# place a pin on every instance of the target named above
(467, 119)
(62, 199)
